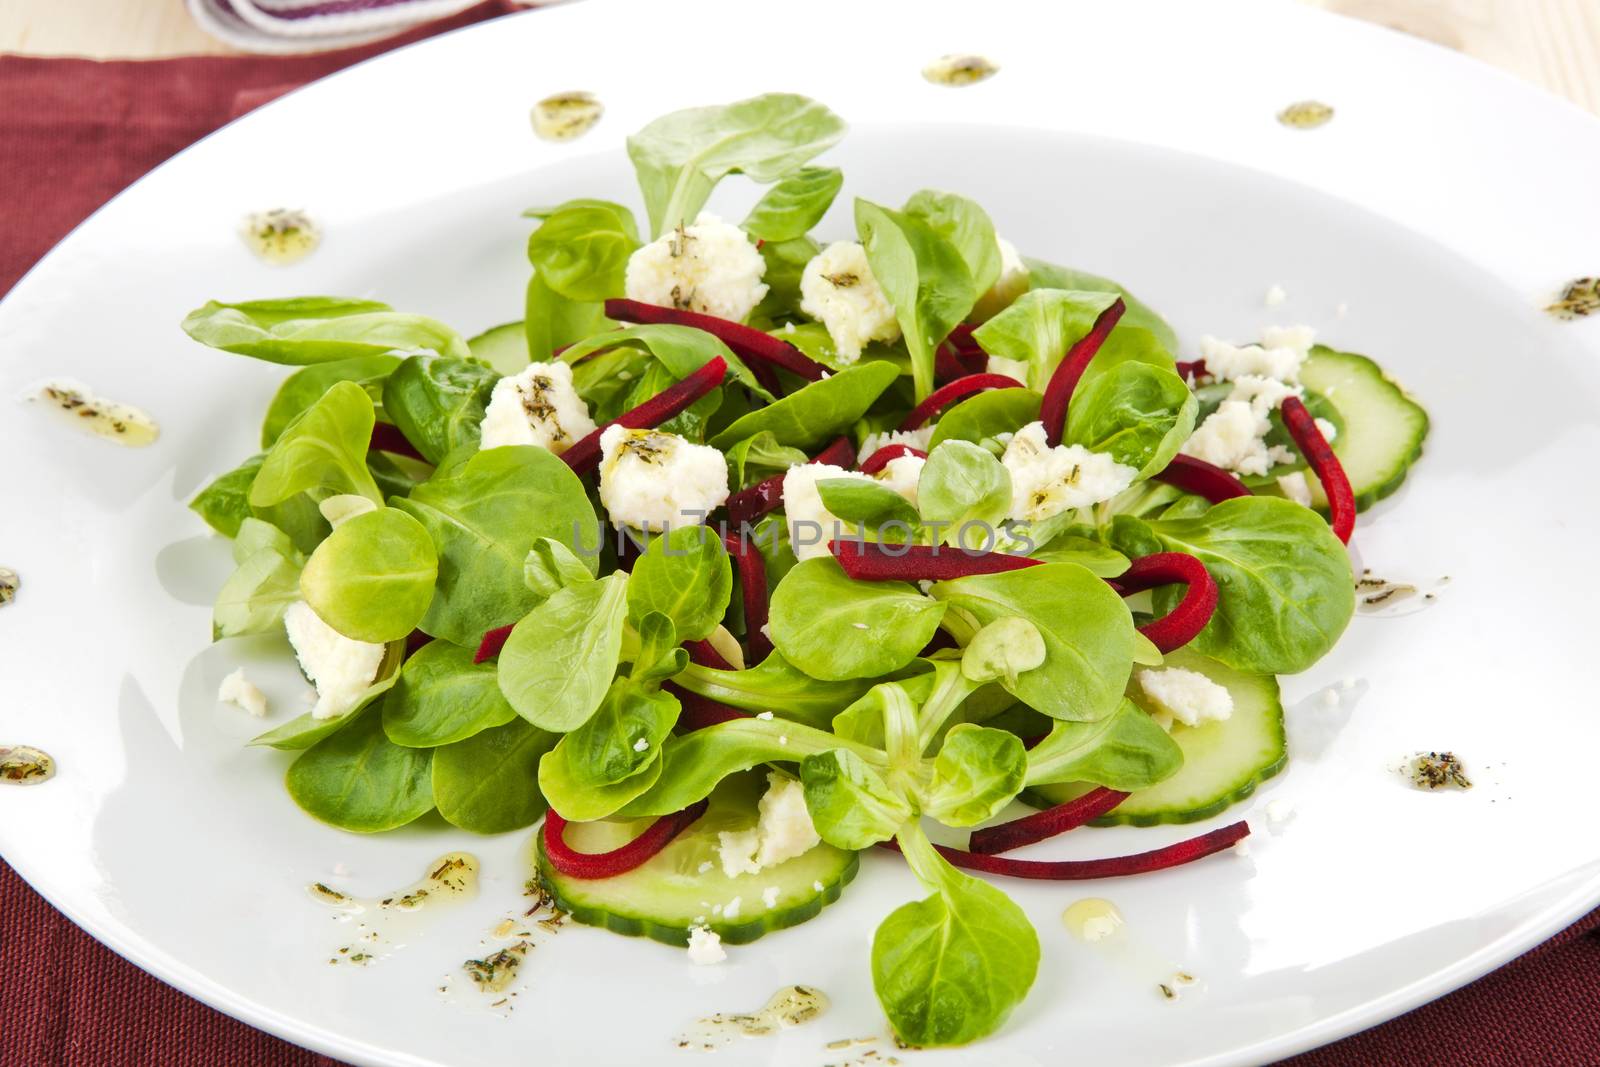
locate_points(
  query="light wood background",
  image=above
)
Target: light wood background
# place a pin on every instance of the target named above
(1553, 43)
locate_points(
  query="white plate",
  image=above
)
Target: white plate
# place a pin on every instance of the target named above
(1137, 140)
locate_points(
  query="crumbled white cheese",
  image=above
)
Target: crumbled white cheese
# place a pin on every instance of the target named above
(902, 474)
(710, 267)
(1015, 369)
(652, 480)
(1011, 283)
(239, 691)
(765, 716)
(917, 439)
(1046, 481)
(838, 290)
(1264, 395)
(1330, 698)
(811, 524)
(1231, 438)
(539, 406)
(641, 744)
(1294, 338)
(1188, 696)
(1241, 847)
(1296, 487)
(705, 946)
(817, 886)
(1279, 355)
(769, 897)
(1279, 812)
(731, 909)
(705, 866)
(783, 831)
(339, 667)
(1275, 296)
(1327, 429)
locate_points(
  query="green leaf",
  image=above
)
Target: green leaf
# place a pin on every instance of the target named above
(834, 628)
(868, 504)
(794, 205)
(303, 730)
(1002, 650)
(484, 516)
(503, 347)
(317, 329)
(373, 578)
(442, 697)
(438, 402)
(777, 686)
(551, 566)
(581, 800)
(966, 226)
(621, 738)
(1126, 750)
(963, 484)
(924, 277)
(986, 416)
(816, 413)
(680, 350)
(324, 448)
(977, 772)
(785, 262)
(224, 503)
(759, 457)
(1042, 275)
(305, 386)
(1139, 414)
(357, 779)
(551, 321)
(557, 664)
(264, 583)
(684, 574)
(581, 249)
(850, 803)
(1093, 556)
(680, 157)
(489, 783)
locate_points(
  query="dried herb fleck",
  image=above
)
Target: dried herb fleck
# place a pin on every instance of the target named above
(1306, 115)
(566, 116)
(958, 70)
(1438, 770)
(495, 971)
(1579, 299)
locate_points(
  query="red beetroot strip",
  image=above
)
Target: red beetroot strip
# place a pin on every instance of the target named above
(387, 438)
(706, 654)
(748, 505)
(697, 712)
(951, 361)
(747, 341)
(493, 641)
(959, 389)
(880, 459)
(584, 456)
(1191, 369)
(1185, 621)
(1058, 392)
(1329, 471)
(1158, 859)
(1034, 828)
(619, 860)
(753, 592)
(1201, 478)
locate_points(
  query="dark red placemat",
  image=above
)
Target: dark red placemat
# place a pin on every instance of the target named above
(73, 133)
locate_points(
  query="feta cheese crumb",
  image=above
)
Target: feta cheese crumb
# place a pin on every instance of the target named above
(1279, 355)
(1230, 438)
(1241, 847)
(239, 691)
(1279, 812)
(903, 474)
(769, 897)
(783, 830)
(817, 886)
(1046, 481)
(539, 406)
(652, 480)
(811, 524)
(1327, 429)
(1275, 296)
(1330, 698)
(641, 744)
(765, 716)
(339, 667)
(705, 947)
(709, 267)
(838, 290)
(1011, 283)
(1188, 696)
(731, 910)
(1296, 488)
(918, 439)
(783, 739)
(704, 867)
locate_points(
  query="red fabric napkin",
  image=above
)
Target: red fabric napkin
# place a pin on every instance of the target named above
(73, 133)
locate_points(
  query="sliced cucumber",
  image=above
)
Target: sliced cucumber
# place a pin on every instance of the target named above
(1382, 428)
(505, 348)
(1223, 762)
(663, 898)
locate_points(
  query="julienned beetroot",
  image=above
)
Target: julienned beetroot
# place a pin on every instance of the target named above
(1185, 621)
(881, 458)
(1159, 859)
(753, 594)
(697, 712)
(746, 341)
(1324, 464)
(493, 641)
(1058, 392)
(749, 504)
(1034, 828)
(959, 389)
(619, 860)
(584, 456)
(1201, 478)
(706, 654)
(387, 438)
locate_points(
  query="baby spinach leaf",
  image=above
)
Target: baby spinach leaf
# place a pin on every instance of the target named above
(794, 205)
(1138, 413)
(442, 697)
(685, 575)
(551, 321)
(489, 783)
(977, 772)
(680, 157)
(373, 578)
(324, 448)
(680, 350)
(1286, 589)
(761, 456)
(1042, 275)
(582, 800)
(550, 566)
(1086, 552)
(317, 329)
(581, 249)
(484, 516)
(264, 583)
(985, 416)
(1042, 324)
(503, 347)
(225, 502)
(1127, 750)
(924, 277)
(816, 413)
(438, 402)
(303, 730)
(833, 628)
(1002, 650)
(1087, 631)
(785, 262)
(357, 779)
(557, 664)
(849, 802)
(620, 738)
(305, 386)
(961, 484)
(966, 226)
(868, 504)
(777, 686)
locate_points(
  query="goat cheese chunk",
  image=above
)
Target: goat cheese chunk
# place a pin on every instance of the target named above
(1279, 355)
(340, 668)
(1188, 696)
(652, 480)
(918, 439)
(1295, 487)
(241, 692)
(902, 475)
(1011, 283)
(705, 946)
(1046, 481)
(537, 407)
(783, 831)
(710, 267)
(811, 524)
(838, 290)
(1234, 436)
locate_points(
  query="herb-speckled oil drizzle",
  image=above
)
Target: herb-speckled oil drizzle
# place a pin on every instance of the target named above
(25, 765)
(122, 423)
(386, 923)
(281, 236)
(789, 1006)
(9, 584)
(959, 70)
(566, 116)
(1579, 299)
(1437, 770)
(1385, 597)
(1306, 115)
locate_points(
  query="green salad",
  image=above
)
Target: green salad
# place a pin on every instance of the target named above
(746, 550)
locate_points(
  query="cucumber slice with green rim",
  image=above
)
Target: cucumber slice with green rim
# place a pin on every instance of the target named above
(505, 348)
(1223, 762)
(1382, 428)
(666, 896)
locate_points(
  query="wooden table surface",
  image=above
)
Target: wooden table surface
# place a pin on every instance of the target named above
(1554, 43)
